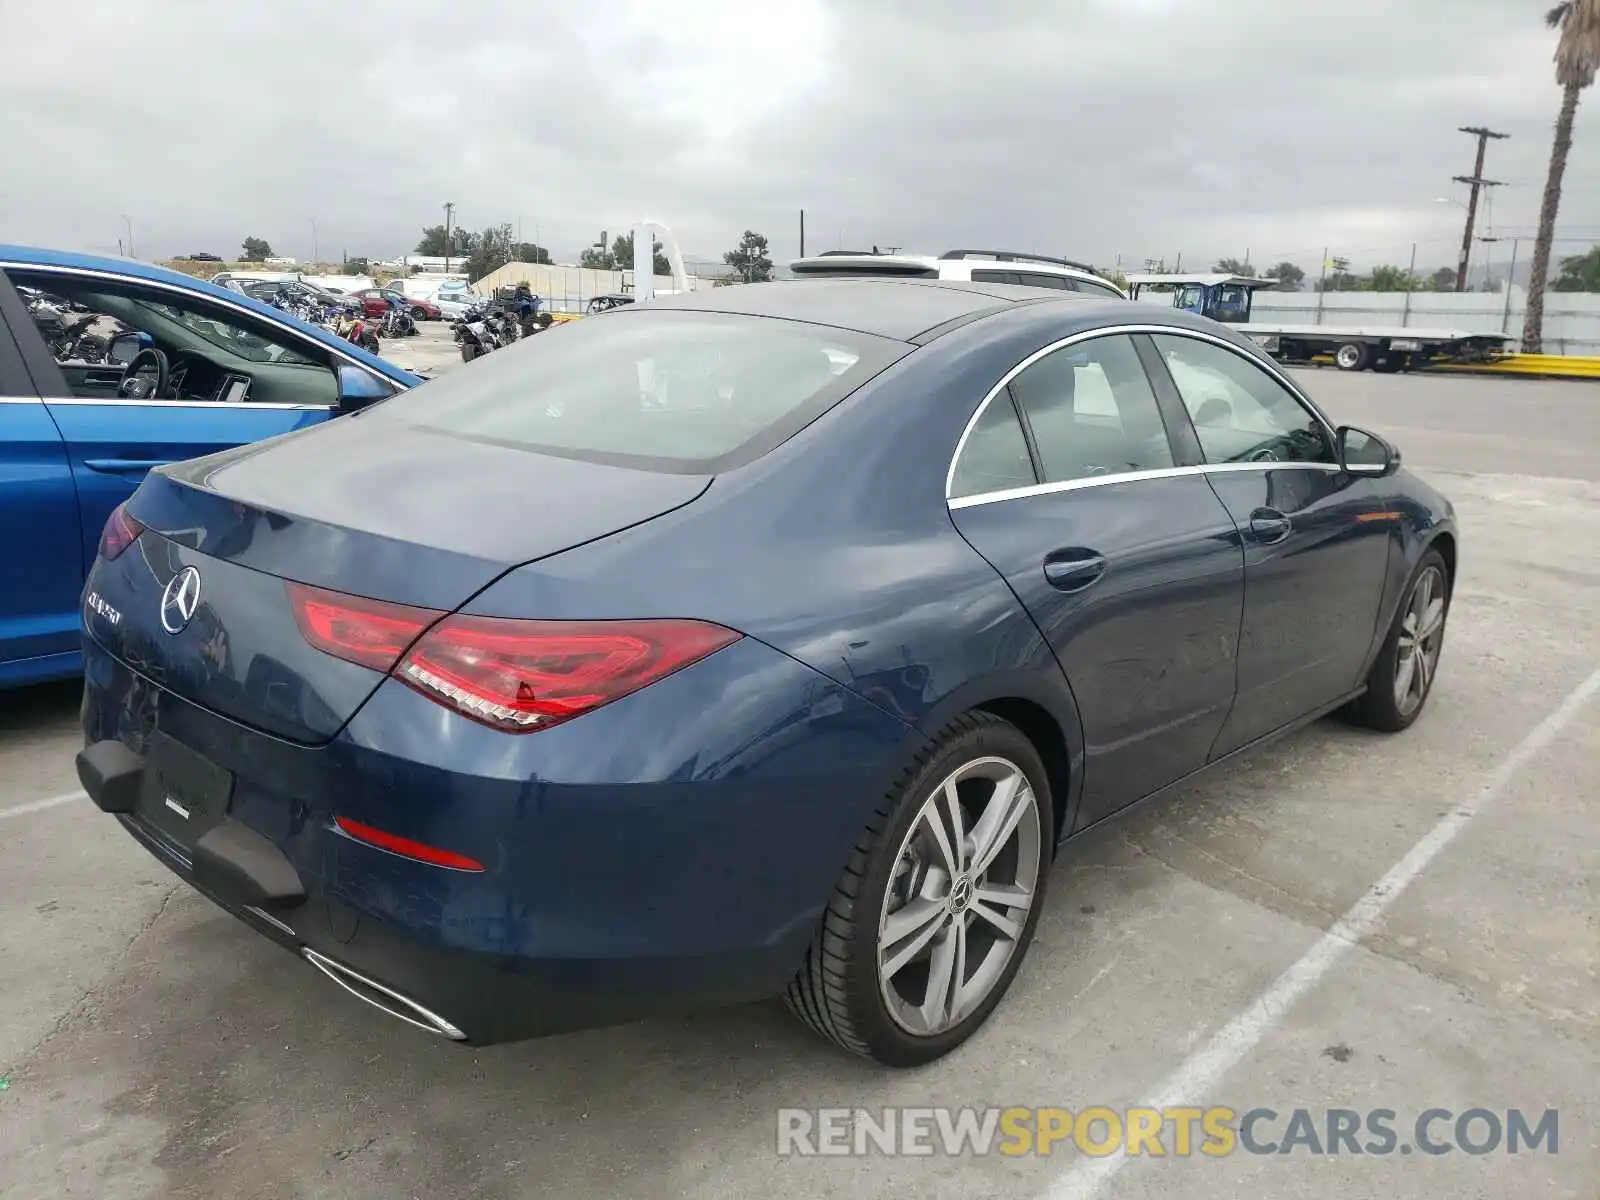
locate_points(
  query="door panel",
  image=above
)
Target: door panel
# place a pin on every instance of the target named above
(41, 572)
(1314, 568)
(113, 444)
(1127, 562)
(1138, 587)
(1315, 558)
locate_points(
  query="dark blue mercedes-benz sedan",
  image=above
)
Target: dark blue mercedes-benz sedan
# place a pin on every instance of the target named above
(765, 640)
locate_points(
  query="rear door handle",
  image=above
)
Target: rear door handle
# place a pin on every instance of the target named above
(124, 466)
(1073, 570)
(1269, 526)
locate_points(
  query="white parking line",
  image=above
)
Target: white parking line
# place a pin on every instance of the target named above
(33, 806)
(1088, 1176)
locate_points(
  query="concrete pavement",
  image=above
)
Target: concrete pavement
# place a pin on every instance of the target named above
(155, 1047)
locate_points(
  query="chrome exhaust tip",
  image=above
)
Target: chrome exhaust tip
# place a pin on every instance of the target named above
(384, 999)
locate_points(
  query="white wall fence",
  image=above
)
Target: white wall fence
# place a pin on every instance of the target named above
(1571, 319)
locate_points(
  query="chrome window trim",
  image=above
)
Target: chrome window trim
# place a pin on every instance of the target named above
(1269, 368)
(163, 285)
(21, 400)
(219, 405)
(1092, 481)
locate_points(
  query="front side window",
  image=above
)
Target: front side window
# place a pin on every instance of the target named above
(178, 346)
(1240, 413)
(1092, 411)
(656, 389)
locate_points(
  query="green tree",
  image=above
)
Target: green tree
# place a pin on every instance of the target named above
(528, 252)
(622, 255)
(256, 249)
(1390, 279)
(1233, 266)
(1577, 58)
(432, 242)
(749, 259)
(489, 251)
(1579, 273)
(1442, 280)
(1289, 276)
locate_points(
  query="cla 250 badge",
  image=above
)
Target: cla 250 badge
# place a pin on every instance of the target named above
(94, 604)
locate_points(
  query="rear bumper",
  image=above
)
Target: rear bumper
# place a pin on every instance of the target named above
(696, 881)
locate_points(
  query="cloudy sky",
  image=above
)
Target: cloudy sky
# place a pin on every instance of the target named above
(1090, 128)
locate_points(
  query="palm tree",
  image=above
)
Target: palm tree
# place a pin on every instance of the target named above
(1577, 58)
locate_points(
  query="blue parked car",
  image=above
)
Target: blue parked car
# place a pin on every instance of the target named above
(753, 641)
(163, 368)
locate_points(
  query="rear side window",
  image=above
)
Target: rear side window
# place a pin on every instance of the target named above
(1092, 411)
(1040, 280)
(656, 389)
(996, 454)
(1098, 289)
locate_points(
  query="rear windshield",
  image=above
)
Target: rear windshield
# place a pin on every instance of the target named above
(652, 388)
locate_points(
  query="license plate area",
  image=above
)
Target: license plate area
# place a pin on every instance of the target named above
(184, 794)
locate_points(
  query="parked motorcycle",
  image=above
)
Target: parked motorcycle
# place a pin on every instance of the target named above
(398, 322)
(354, 329)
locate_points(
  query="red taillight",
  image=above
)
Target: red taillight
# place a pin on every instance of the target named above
(406, 848)
(371, 633)
(120, 532)
(510, 674)
(525, 675)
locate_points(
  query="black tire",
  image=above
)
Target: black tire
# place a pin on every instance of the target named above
(370, 343)
(837, 989)
(1379, 707)
(1352, 356)
(419, 314)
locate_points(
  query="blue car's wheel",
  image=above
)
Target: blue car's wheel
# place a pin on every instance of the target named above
(933, 914)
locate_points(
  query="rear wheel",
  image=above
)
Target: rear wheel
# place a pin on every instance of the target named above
(419, 314)
(1402, 677)
(1352, 356)
(934, 912)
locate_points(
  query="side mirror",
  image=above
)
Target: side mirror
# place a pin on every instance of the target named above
(358, 389)
(1364, 453)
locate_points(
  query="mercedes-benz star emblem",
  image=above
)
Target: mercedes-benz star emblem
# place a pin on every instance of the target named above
(179, 601)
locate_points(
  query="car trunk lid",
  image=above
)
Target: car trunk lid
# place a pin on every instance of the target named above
(386, 512)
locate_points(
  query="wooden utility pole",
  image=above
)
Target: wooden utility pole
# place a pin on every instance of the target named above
(1475, 181)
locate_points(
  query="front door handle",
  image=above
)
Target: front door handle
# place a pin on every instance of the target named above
(1269, 526)
(1073, 570)
(124, 466)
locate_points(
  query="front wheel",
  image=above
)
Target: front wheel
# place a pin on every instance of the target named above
(369, 343)
(1402, 677)
(934, 912)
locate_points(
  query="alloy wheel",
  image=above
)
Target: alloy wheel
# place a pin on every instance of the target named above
(1421, 637)
(959, 895)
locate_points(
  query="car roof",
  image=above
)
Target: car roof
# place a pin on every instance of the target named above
(127, 268)
(903, 309)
